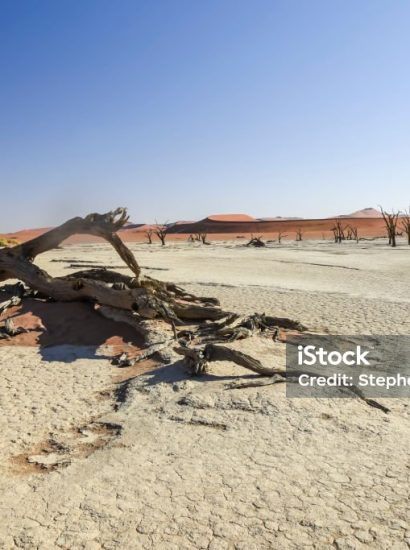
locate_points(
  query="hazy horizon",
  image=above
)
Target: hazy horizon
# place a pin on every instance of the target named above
(181, 110)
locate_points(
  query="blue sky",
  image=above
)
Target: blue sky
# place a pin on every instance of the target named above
(181, 108)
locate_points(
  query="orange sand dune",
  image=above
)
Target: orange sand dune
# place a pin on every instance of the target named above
(365, 213)
(313, 229)
(26, 234)
(230, 218)
(222, 227)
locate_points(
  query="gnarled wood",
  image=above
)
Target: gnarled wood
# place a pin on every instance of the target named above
(99, 225)
(148, 298)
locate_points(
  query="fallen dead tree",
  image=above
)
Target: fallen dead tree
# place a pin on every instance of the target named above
(167, 316)
(256, 242)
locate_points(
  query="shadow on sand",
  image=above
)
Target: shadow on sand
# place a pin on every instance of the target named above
(68, 331)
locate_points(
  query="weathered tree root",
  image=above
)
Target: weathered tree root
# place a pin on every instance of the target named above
(15, 295)
(9, 330)
(197, 362)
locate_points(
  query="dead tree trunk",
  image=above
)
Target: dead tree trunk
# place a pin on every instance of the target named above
(355, 233)
(339, 232)
(390, 220)
(201, 238)
(104, 226)
(405, 224)
(148, 234)
(162, 232)
(352, 233)
(299, 234)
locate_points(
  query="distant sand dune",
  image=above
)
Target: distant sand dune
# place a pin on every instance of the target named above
(225, 226)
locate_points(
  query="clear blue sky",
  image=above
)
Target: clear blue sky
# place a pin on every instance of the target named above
(183, 108)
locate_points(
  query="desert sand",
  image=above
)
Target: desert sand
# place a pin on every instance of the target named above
(93, 456)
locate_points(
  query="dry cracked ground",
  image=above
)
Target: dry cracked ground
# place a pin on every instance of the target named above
(95, 457)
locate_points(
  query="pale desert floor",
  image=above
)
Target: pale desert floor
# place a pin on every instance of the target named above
(165, 461)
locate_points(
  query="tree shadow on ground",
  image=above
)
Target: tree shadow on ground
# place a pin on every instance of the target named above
(68, 331)
(173, 374)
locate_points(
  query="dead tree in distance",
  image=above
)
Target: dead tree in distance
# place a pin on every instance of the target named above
(339, 232)
(256, 242)
(405, 224)
(161, 232)
(281, 236)
(390, 221)
(148, 233)
(299, 234)
(352, 233)
(201, 237)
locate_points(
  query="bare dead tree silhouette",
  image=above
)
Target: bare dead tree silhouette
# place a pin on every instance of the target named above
(201, 237)
(256, 241)
(352, 233)
(161, 231)
(149, 233)
(391, 220)
(405, 224)
(338, 232)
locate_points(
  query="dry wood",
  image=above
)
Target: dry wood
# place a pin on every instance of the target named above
(256, 241)
(197, 361)
(148, 298)
(14, 294)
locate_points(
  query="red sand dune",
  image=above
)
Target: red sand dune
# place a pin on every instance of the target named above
(182, 222)
(142, 227)
(278, 218)
(26, 234)
(230, 218)
(365, 213)
(312, 229)
(228, 226)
